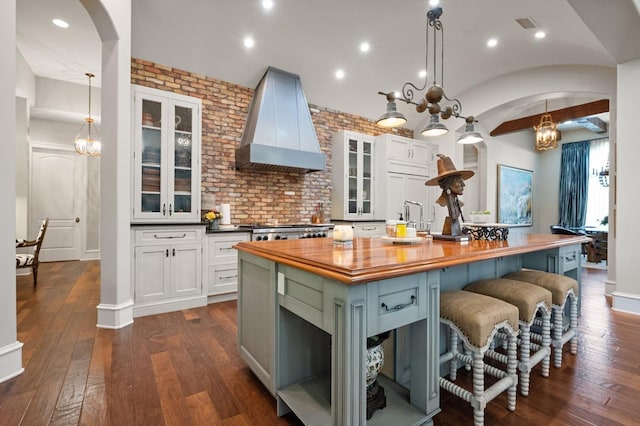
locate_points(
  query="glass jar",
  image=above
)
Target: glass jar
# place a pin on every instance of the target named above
(391, 228)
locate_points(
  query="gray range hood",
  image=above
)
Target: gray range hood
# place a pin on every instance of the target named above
(279, 134)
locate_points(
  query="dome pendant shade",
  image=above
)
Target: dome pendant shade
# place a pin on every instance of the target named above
(435, 127)
(391, 118)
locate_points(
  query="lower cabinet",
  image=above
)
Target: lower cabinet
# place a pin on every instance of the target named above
(222, 264)
(167, 272)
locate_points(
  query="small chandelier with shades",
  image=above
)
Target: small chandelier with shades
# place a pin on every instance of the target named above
(546, 132)
(87, 140)
(434, 94)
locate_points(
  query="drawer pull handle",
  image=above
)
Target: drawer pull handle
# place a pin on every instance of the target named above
(229, 277)
(169, 237)
(400, 306)
(373, 228)
(226, 248)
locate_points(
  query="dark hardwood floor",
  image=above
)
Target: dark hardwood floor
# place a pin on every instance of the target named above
(183, 368)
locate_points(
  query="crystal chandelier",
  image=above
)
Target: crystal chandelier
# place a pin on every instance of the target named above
(87, 141)
(546, 133)
(603, 175)
(434, 94)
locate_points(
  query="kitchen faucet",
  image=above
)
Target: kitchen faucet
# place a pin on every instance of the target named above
(420, 226)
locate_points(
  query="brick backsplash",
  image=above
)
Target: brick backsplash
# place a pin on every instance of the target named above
(254, 196)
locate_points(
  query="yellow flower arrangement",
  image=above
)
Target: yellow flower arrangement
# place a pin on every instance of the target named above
(213, 215)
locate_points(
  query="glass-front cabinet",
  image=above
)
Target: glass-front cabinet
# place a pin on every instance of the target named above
(353, 176)
(166, 157)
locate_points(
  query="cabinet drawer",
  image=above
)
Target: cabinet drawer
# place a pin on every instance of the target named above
(169, 236)
(223, 279)
(394, 303)
(221, 248)
(369, 229)
(570, 259)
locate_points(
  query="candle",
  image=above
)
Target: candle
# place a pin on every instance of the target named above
(343, 233)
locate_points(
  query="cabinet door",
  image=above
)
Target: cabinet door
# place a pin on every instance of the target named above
(150, 163)
(166, 157)
(186, 269)
(182, 184)
(402, 187)
(152, 273)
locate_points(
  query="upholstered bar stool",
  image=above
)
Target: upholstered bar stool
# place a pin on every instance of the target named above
(530, 300)
(563, 289)
(476, 318)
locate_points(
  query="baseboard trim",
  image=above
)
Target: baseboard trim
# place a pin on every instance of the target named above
(11, 361)
(626, 302)
(170, 305)
(115, 316)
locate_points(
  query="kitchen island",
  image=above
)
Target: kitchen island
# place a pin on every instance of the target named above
(306, 308)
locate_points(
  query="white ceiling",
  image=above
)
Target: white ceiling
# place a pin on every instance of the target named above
(314, 38)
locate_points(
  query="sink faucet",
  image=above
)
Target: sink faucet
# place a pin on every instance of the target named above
(420, 226)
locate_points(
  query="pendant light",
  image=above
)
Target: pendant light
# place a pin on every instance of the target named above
(87, 140)
(546, 133)
(430, 101)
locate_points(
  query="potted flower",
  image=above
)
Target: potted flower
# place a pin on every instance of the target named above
(212, 217)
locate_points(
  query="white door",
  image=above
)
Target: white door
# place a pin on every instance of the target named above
(55, 193)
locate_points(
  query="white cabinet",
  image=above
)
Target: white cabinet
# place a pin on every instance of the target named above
(222, 263)
(353, 177)
(403, 166)
(399, 154)
(166, 156)
(400, 187)
(167, 272)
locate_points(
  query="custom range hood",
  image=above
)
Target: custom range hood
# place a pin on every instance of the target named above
(279, 134)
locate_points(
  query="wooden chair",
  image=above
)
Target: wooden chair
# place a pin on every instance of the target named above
(31, 260)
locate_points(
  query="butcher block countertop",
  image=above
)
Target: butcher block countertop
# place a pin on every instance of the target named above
(371, 259)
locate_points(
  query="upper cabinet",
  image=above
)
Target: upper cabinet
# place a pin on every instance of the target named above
(353, 176)
(405, 155)
(166, 156)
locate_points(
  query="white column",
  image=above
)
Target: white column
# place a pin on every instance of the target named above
(10, 347)
(113, 21)
(627, 294)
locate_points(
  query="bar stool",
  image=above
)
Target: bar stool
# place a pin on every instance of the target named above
(476, 319)
(562, 289)
(530, 300)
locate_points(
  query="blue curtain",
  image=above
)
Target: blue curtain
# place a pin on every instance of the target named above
(574, 184)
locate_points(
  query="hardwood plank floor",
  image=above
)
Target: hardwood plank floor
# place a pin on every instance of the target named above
(183, 368)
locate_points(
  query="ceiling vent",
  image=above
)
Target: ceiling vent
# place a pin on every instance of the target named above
(526, 23)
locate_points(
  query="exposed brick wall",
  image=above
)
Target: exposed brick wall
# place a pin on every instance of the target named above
(255, 196)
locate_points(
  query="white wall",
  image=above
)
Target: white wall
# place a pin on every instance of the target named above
(25, 79)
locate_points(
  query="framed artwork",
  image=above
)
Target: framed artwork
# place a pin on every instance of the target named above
(515, 196)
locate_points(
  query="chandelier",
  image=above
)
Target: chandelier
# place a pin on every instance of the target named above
(603, 175)
(546, 133)
(434, 94)
(87, 141)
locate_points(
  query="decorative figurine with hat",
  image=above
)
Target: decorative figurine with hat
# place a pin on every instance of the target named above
(452, 183)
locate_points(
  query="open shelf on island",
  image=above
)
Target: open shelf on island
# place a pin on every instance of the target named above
(311, 403)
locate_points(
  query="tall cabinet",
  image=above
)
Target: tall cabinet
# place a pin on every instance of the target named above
(353, 177)
(166, 156)
(404, 165)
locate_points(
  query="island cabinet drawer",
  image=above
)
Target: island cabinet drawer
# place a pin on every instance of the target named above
(396, 302)
(569, 258)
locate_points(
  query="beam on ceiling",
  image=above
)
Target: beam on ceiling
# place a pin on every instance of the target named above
(560, 115)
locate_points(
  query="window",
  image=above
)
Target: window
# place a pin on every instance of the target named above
(598, 195)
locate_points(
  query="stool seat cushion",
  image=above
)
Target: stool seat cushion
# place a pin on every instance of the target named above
(524, 296)
(558, 285)
(476, 315)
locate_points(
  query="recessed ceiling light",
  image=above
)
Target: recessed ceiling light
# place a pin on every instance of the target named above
(249, 42)
(541, 34)
(364, 46)
(60, 23)
(422, 73)
(492, 42)
(267, 4)
(339, 74)
(434, 2)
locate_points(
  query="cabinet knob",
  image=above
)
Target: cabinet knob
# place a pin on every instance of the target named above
(77, 220)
